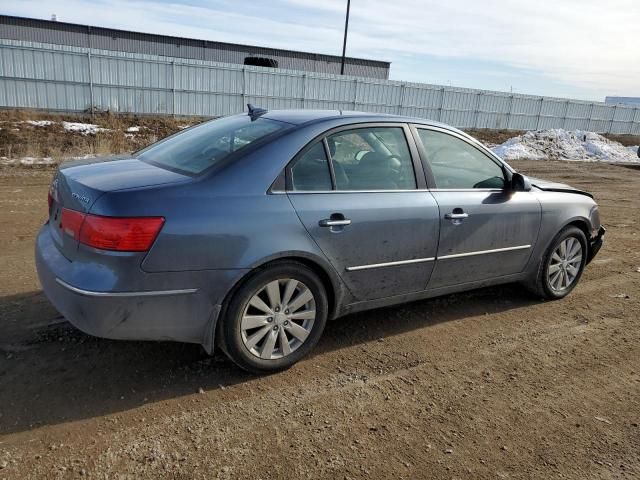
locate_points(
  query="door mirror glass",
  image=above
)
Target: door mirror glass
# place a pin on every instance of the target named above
(456, 164)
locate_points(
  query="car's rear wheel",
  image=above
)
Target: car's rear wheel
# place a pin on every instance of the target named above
(275, 318)
(562, 264)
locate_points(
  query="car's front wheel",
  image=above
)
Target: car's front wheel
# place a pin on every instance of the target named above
(275, 318)
(562, 265)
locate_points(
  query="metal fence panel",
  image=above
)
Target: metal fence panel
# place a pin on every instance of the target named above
(526, 105)
(522, 122)
(75, 78)
(602, 112)
(330, 89)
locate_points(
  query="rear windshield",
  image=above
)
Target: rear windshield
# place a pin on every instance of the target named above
(203, 146)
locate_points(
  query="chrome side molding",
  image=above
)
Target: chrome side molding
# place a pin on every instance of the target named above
(431, 259)
(389, 264)
(484, 252)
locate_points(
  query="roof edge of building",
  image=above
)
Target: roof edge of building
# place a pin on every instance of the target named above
(207, 43)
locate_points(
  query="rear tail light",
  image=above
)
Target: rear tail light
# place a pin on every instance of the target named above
(71, 222)
(123, 234)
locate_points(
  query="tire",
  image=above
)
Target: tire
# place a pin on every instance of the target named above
(554, 270)
(259, 333)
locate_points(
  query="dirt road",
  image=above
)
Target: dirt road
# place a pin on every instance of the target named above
(488, 384)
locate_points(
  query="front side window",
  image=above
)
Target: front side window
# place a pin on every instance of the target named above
(203, 146)
(374, 158)
(457, 164)
(311, 171)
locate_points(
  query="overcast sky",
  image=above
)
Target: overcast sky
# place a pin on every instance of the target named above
(572, 48)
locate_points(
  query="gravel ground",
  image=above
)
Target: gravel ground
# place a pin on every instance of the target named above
(487, 384)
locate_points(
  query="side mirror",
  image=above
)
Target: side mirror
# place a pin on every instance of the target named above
(520, 183)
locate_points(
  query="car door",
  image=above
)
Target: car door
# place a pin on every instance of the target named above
(360, 192)
(486, 230)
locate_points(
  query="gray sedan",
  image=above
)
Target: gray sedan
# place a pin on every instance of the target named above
(251, 231)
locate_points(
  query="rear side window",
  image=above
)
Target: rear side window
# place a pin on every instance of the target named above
(199, 148)
(458, 165)
(375, 158)
(311, 170)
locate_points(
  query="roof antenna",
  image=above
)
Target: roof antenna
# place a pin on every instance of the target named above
(255, 112)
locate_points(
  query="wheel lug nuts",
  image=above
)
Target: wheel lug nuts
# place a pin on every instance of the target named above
(277, 309)
(286, 312)
(269, 319)
(286, 322)
(275, 328)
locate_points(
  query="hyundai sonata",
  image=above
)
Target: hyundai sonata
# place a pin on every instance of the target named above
(251, 231)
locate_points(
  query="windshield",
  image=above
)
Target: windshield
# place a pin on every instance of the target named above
(203, 146)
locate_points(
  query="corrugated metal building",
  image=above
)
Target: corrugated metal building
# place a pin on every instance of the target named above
(635, 101)
(62, 33)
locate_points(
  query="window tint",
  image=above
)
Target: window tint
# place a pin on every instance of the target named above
(201, 147)
(374, 158)
(457, 164)
(311, 170)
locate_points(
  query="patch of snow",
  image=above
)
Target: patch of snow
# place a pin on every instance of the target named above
(27, 161)
(182, 127)
(559, 144)
(40, 123)
(83, 128)
(134, 129)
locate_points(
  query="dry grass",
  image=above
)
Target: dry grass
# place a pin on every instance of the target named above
(496, 137)
(626, 140)
(19, 139)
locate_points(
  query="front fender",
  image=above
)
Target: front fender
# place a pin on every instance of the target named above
(560, 209)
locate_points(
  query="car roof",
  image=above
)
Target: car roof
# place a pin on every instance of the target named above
(299, 117)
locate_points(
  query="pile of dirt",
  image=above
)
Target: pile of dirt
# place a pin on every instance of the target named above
(625, 139)
(40, 138)
(32, 138)
(490, 137)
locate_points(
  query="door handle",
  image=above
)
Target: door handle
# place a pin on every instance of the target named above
(335, 220)
(456, 216)
(328, 222)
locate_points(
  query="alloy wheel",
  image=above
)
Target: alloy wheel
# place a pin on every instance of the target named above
(278, 318)
(565, 264)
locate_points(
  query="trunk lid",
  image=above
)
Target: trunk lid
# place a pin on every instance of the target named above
(78, 184)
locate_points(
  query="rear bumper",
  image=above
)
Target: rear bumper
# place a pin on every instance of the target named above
(595, 243)
(177, 306)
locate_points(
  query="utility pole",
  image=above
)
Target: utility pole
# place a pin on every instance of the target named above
(344, 44)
